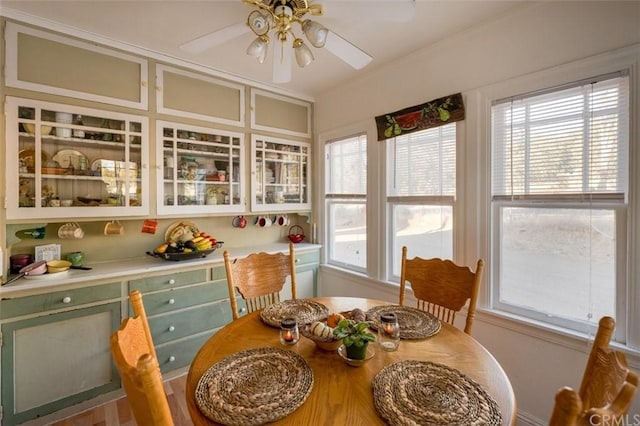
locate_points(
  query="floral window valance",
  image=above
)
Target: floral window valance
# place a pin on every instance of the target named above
(425, 116)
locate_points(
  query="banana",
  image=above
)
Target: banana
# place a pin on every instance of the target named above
(197, 239)
(204, 245)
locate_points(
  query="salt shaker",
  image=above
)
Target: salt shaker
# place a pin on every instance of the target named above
(389, 332)
(289, 334)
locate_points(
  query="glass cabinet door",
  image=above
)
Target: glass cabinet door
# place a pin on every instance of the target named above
(201, 170)
(65, 161)
(280, 174)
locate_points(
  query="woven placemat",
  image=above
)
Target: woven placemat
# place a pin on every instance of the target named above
(414, 323)
(254, 387)
(426, 393)
(303, 310)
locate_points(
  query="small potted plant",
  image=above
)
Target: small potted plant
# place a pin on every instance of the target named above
(355, 337)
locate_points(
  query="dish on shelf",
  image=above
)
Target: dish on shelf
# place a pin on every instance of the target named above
(70, 157)
(31, 128)
(28, 157)
(113, 168)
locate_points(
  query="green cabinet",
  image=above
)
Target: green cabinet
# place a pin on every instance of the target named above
(184, 309)
(55, 350)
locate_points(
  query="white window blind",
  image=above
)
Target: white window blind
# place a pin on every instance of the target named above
(347, 166)
(423, 163)
(570, 143)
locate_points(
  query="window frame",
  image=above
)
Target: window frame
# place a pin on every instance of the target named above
(584, 201)
(335, 199)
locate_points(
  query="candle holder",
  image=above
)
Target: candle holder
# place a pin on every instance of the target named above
(289, 334)
(389, 332)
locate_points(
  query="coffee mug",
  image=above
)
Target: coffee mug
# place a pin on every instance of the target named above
(76, 258)
(113, 228)
(263, 221)
(150, 226)
(239, 222)
(70, 230)
(282, 220)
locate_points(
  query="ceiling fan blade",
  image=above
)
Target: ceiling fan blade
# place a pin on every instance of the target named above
(215, 38)
(372, 10)
(347, 51)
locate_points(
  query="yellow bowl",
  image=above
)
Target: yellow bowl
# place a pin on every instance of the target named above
(54, 266)
(31, 128)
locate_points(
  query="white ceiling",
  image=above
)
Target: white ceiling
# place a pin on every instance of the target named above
(162, 26)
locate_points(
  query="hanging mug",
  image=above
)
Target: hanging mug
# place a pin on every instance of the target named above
(282, 220)
(113, 228)
(239, 222)
(263, 221)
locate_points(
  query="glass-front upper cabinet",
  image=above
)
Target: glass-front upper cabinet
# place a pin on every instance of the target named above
(202, 170)
(66, 161)
(280, 174)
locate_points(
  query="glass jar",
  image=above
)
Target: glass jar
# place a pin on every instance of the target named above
(289, 334)
(389, 332)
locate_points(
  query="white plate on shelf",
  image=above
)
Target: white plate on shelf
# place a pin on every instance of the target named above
(70, 157)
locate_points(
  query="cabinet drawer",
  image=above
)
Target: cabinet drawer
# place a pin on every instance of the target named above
(58, 300)
(179, 298)
(163, 282)
(307, 257)
(178, 324)
(179, 354)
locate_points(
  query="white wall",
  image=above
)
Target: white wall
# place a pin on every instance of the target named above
(537, 37)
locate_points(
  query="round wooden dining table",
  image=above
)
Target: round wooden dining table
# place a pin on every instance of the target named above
(341, 394)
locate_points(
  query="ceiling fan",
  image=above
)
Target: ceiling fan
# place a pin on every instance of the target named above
(279, 17)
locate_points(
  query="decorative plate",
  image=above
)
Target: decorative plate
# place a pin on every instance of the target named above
(427, 393)
(414, 323)
(180, 231)
(303, 310)
(70, 157)
(28, 157)
(254, 387)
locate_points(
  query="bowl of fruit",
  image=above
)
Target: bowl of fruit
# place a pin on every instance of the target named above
(321, 332)
(184, 241)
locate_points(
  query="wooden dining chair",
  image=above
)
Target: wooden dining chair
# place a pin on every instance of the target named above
(441, 287)
(135, 298)
(133, 353)
(259, 278)
(607, 388)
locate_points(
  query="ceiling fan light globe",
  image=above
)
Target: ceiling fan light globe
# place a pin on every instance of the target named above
(304, 55)
(258, 48)
(258, 23)
(316, 33)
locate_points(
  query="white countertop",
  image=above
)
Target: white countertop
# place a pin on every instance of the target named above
(121, 269)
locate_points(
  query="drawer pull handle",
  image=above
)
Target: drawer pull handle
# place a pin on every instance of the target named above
(172, 328)
(172, 301)
(66, 299)
(172, 281)
(242, 310)
(172, 358)
(297, 260)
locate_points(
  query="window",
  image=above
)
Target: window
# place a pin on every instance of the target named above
(559, 202)
(421, 190)
(346, 202)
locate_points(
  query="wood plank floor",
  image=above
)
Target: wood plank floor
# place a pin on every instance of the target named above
(118, 413)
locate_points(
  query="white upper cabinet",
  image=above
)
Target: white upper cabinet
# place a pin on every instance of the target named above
(280, 174)
(201, 170)
(65, 161)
